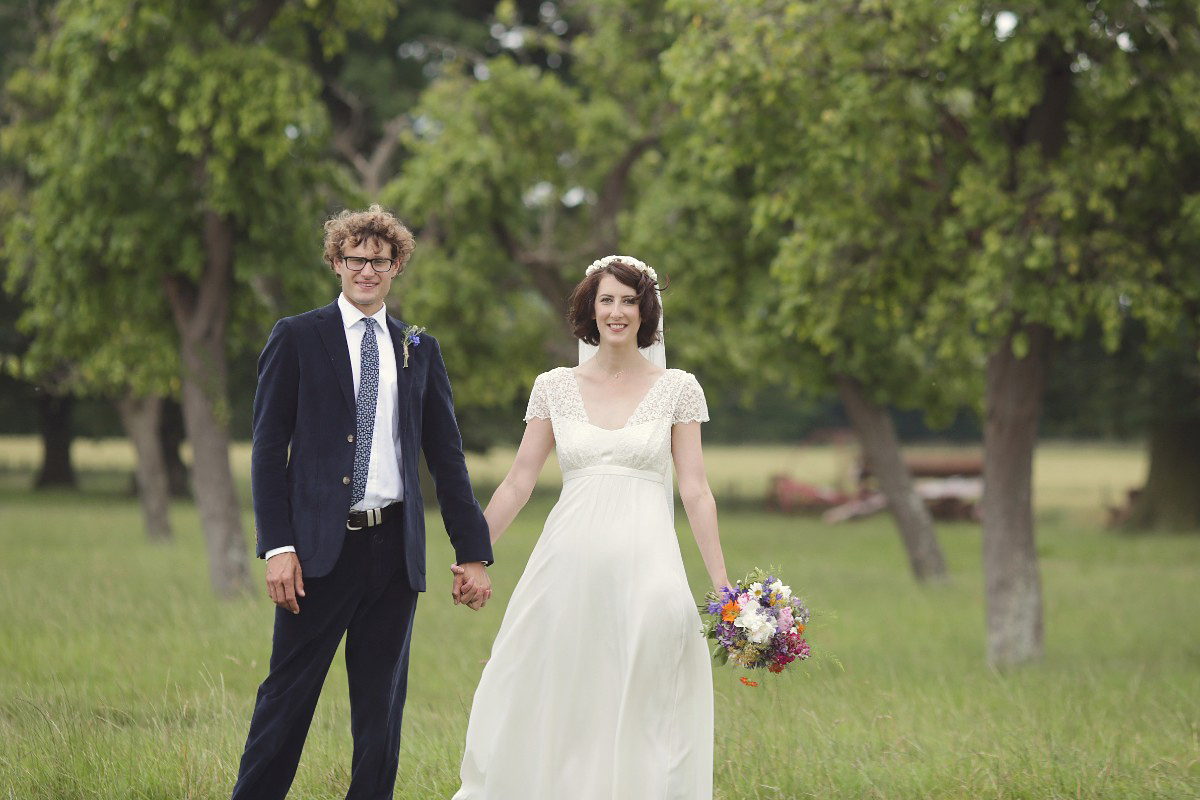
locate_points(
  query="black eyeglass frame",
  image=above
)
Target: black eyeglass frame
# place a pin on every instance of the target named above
(377, 264)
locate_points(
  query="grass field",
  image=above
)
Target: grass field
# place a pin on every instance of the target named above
(122, 677)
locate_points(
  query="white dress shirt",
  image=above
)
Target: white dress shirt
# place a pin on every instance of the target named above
(384, 482)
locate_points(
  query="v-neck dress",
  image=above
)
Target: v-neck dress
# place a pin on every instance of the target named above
(599, 686)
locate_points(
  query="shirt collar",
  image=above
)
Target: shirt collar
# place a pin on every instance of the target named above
(351, 314)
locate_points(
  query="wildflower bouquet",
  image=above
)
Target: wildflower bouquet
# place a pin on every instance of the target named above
(756, 623)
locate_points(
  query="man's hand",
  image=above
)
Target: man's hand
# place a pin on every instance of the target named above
(472, 587)
(284, 581)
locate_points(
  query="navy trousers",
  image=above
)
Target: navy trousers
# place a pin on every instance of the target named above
(367, 597)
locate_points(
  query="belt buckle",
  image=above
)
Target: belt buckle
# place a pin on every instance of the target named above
(371, 518)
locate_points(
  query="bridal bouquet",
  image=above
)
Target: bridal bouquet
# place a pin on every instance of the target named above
(756, 623)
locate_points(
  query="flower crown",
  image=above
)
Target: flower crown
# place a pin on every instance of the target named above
(630, 260)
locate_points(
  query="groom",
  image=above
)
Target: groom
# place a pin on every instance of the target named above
(347, 397)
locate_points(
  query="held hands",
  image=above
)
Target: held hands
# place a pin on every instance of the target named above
(285, 583)
(472, 587)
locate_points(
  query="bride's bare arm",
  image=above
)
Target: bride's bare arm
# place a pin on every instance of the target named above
(513, 492)
(698, 499)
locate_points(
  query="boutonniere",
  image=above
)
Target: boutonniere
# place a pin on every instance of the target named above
(412, 335)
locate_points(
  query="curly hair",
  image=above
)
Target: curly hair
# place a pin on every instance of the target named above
(356, 227)
(581, 307)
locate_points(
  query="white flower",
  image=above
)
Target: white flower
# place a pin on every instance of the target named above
(749, 617)
(758, 626)
(783, 591)
(630, 260)
(756, 590)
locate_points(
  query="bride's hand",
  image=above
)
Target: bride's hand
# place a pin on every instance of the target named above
(460, 585)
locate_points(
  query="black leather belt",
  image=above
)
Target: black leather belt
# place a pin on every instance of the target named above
(372, 517)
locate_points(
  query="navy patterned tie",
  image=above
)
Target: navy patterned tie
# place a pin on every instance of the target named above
(364, 404)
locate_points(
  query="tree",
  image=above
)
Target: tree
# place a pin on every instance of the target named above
(179, 160)
(38, 361)
(74, 346)
(517, 175)
(956, 181)
(841, 260)
(1171, 388)
(20, 27)
(84, 355)
(1070, 212)
(1142, 388)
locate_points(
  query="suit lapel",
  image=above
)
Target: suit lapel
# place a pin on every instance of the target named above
(404, 380)
(333, 334)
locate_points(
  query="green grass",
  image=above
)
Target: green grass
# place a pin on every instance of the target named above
(122, 677)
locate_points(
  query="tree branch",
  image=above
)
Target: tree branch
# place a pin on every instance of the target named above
(543, 268)
(613, 191)
(181, 295)
(212, 302)
(255, 22)
(371, 168)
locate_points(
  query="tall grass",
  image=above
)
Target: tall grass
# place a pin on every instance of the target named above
(121, 676)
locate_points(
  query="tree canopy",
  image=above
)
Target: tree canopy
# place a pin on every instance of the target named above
(517, 176)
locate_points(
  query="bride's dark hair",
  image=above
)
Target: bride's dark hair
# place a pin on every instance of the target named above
(581, 306)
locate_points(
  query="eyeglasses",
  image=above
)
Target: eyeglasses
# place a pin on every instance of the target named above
(356, 263)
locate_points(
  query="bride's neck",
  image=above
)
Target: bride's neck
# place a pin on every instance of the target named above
(612, 360)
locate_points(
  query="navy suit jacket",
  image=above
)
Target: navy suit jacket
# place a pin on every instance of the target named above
(303, 454)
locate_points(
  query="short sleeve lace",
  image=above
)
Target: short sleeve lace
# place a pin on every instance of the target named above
(539, 404)
(689, 403)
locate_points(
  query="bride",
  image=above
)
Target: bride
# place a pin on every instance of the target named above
(599, 685)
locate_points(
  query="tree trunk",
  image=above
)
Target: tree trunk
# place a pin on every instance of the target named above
(1013, 587)
(881, 449)
(140, 418)
(1170, 500)
(201, 314)
(54, 419)
(171, 436)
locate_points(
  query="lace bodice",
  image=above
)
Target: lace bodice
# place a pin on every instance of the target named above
(643, 443)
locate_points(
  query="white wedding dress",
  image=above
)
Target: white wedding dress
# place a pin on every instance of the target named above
(599, 685)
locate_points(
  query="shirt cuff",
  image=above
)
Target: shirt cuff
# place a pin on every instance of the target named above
(285, 549)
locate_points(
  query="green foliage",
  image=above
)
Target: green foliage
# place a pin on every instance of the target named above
(690, 222)
(507, 133)
(135, 122)
(481, 144)
(795, 161)
(492, 339)
(515, 180)
(935, 178)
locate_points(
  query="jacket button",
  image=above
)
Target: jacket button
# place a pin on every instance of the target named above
(345, 481)
(350, 438)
